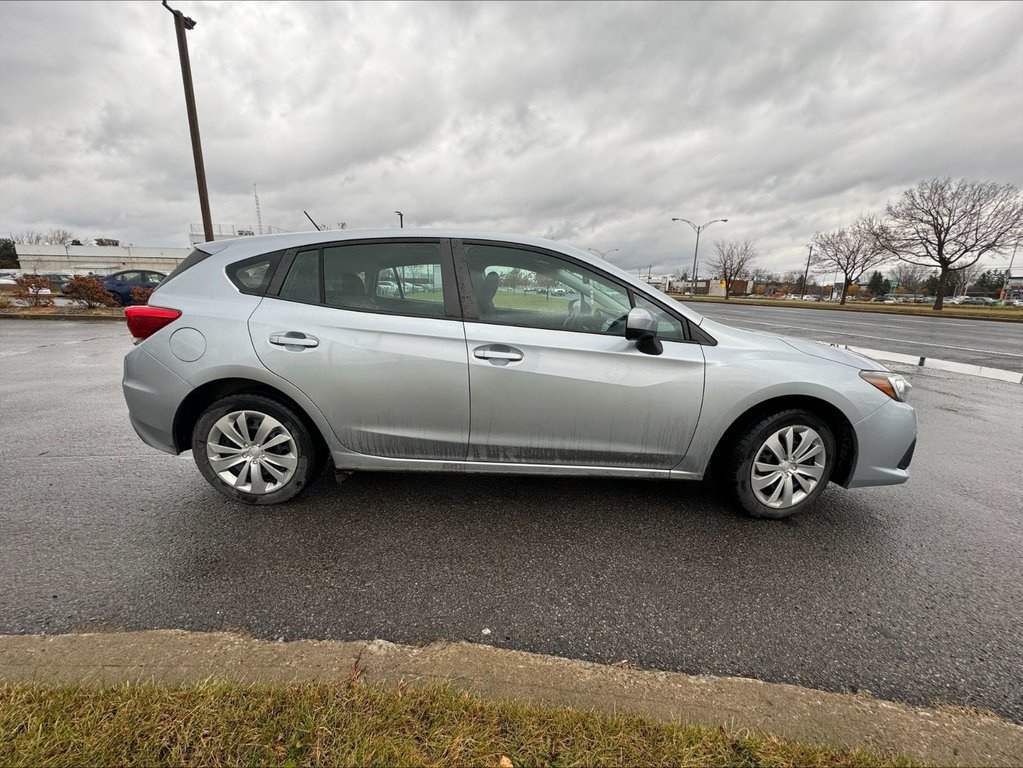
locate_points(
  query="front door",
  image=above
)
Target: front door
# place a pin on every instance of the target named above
(553, 379)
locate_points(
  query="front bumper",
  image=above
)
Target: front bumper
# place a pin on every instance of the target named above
(153, 393)
(885, 442)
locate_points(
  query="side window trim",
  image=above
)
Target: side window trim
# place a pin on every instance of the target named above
(283, 266)
(463, 283)
(449, 281)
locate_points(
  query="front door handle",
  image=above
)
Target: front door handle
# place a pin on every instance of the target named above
(293, 339)
(497, 354)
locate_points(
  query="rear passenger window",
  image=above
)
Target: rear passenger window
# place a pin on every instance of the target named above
(252, 275)
(401, 278)
(303, 280)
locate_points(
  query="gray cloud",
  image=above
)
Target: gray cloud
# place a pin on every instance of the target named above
(600, 121)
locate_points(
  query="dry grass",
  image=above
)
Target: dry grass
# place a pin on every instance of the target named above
(356, 724)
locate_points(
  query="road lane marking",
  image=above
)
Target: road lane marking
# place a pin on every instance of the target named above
(889, 319)
(996, 352)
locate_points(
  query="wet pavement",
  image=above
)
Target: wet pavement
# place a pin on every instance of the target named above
(911, 592)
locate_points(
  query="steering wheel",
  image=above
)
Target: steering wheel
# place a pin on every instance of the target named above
(616, 326)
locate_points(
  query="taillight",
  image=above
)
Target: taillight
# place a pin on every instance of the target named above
(144, 320)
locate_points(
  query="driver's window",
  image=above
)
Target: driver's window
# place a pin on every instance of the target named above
(526, 288)
(668, 328)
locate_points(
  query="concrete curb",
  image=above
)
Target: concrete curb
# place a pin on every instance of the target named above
(943, 736)
(998, 374)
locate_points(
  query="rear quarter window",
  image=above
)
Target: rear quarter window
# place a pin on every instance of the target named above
(253, 275)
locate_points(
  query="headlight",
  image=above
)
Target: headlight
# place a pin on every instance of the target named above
(892, 384)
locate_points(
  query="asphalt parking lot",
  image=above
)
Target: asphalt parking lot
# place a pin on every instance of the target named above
(912, 593)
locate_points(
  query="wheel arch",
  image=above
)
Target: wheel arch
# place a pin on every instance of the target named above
(200, 398)
(841, 428)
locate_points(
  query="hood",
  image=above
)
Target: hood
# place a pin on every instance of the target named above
(834, 354)
(759, 340)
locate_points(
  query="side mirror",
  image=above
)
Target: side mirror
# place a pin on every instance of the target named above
(641, 327)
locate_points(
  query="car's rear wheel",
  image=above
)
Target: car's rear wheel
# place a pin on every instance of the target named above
(781, 464)
(254, 449)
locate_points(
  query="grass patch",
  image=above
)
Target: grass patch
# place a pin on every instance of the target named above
(354, 723)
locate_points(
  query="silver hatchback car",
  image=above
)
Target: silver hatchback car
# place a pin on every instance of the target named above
(454, 351)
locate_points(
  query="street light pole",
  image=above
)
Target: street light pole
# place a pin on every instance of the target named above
(401, 220)
(181, 23)
(602, 254)
(696, 251)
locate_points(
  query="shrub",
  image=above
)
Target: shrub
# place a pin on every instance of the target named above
(30, 291)
(88, 293)
(140, 294)
(5, 303)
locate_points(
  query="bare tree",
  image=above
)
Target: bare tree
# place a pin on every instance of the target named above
(951, 225)
(851, 251)
(910, 276)
(732, 260)
(29, 237)
(60, 237)
(53, 237)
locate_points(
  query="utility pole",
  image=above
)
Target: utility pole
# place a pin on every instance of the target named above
(806, 274)
(401, 220)
(1008, 273)
(259, 217)
(181, 23)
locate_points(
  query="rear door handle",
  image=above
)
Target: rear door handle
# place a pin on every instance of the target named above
(498, 354)
(293, 339)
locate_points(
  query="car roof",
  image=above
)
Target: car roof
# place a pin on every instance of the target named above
(243, 247)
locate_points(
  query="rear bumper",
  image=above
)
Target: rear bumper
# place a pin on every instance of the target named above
(886, 440)
(153, 393)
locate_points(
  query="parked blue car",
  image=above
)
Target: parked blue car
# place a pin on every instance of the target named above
(120, 284)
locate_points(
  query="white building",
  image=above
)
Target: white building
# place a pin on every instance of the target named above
(100, 260)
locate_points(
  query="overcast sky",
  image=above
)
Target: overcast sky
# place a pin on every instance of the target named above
(596, 121)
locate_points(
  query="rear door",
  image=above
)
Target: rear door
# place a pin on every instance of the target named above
(385, 364)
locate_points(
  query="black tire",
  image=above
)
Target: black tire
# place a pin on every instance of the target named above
(301, 449)
(118, 301)
(737, 474)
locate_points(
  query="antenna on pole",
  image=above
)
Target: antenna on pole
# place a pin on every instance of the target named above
(259, 218)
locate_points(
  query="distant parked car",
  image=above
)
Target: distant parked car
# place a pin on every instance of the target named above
(982, 301)
(120, 284)
(58, 280)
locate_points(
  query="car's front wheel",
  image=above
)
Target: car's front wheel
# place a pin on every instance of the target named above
(254, 449)
(781, 464)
